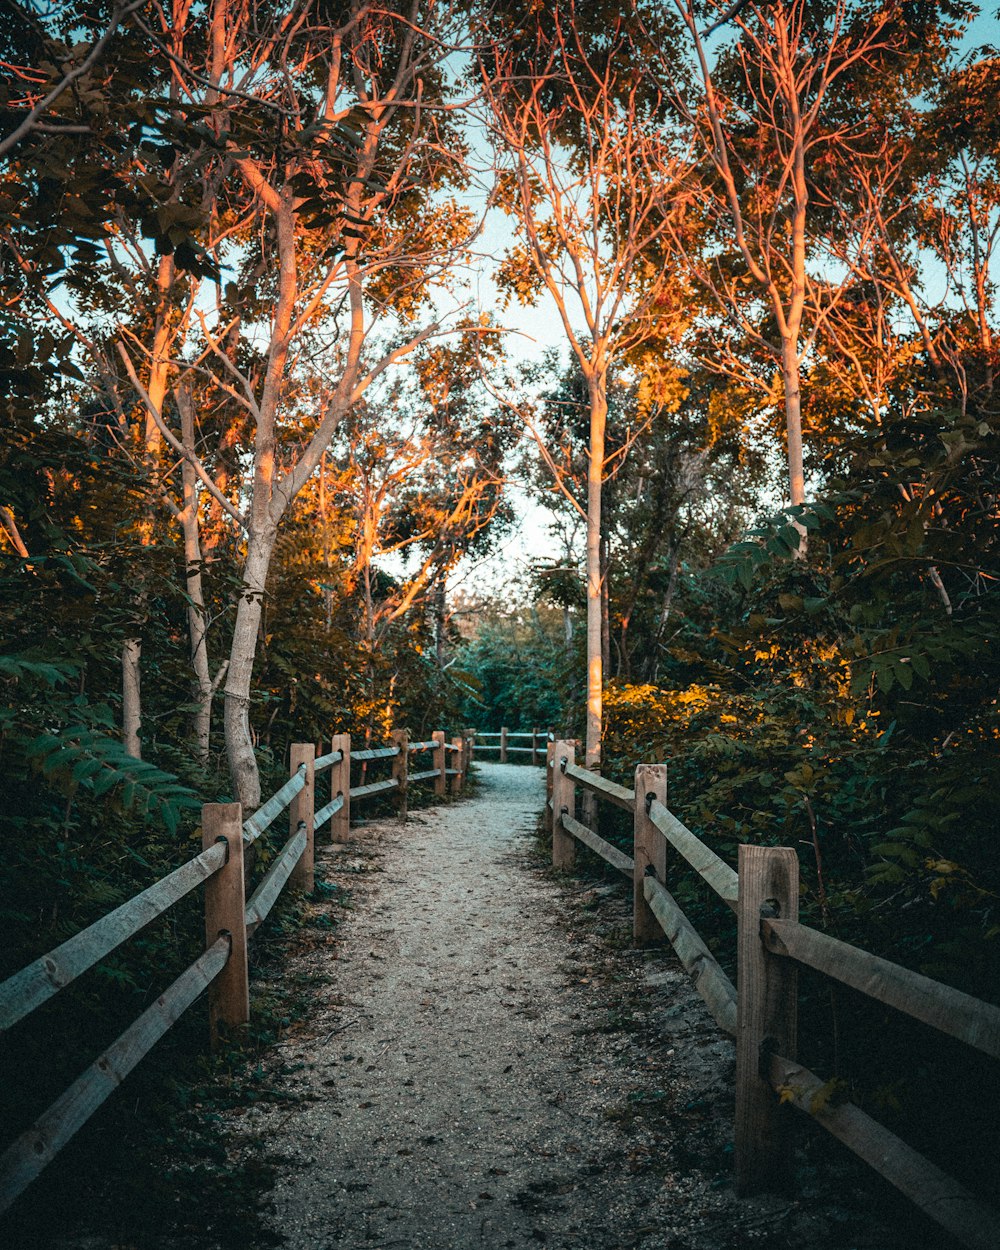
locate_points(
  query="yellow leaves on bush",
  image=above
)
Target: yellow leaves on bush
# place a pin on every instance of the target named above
(832, 1094)
(958, 881)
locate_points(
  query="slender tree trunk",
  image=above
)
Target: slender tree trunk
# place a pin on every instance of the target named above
(793, 418)
(597, 385)
(327, 561)
(985, 333)
(440, 607)
(239, 741)
(131, 697)
(792, 327)
(201, 722)
(790, 374)
(156, 390)
(605, 611)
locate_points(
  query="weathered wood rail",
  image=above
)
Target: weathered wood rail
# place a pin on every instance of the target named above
(482, 741)
(761, 1010)
(230, 921)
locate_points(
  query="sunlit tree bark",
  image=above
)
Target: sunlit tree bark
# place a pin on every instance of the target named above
(595, 181)
(271, 200)
(764, 116)
(337, 218)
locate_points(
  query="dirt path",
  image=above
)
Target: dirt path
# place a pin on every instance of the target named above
(476, 1073)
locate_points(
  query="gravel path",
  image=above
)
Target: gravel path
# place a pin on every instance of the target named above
(477, 1071)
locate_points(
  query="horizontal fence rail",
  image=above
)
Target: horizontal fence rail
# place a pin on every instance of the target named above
(618, 795)
(32, 986)
(950, 1011)
(610, 854)
(948, 1203)
(266, 814)
(538, 737)
(266, 894)
(425, 775)
(375, 753)
(325, 813)
(230, 920)
(22, 1162)
(375, 787)
(714, 871)
(760, 1011)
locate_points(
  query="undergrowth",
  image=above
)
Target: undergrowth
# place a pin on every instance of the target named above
(152, 1169)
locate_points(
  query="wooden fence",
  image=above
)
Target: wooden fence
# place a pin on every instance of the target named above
(760, 1011)
(505, 739)
(230, 921)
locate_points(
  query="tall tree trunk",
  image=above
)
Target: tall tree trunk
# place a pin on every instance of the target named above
(201, 721)
(605, 610)
(597, 386)
(793, 418)
(982, 317)
(327, 560)
(156, 389)
(239, 741)
(131, 697)
(440, 608)
(791, 377)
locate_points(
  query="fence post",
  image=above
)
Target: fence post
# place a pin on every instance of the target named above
(470, 736)
(534, 746)
(563, 799)
(550, 756)
(301, 810)
(401, 767)
(649, 850)
(225, 912)
(766, 1016)
(458, 755)
(340, 783)
(440, 761)
(503, 744)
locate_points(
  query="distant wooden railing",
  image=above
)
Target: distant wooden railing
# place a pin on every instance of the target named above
(761, 1010)
(230, 921)
(504, 738)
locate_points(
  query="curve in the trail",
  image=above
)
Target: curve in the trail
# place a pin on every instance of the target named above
(474, 1078)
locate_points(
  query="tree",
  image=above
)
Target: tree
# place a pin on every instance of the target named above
(681, 486)
(773, 113)
(961, 214)
(423, 474)
(593, 175)
(308, 162)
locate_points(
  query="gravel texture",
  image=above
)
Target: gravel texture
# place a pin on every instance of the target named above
(490, 1063)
